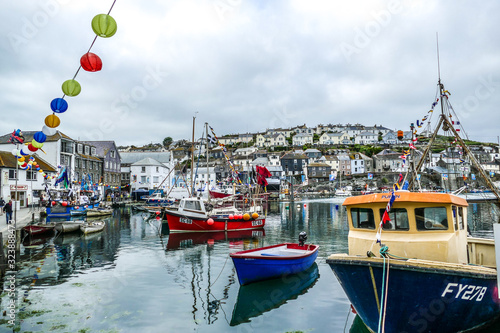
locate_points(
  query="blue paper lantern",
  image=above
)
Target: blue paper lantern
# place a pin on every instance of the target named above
(59, 105)
(40, 137)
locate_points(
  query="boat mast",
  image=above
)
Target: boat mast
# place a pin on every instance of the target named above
(192, 156)
(207, 184)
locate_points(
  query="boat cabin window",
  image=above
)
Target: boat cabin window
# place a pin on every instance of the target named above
(461, 218)
(362, 218)
(431, 218)
(399, 219)
(192, 204)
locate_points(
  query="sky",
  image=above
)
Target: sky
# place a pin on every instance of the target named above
(246, 66)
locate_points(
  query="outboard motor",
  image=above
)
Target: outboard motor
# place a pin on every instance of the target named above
(302, 238)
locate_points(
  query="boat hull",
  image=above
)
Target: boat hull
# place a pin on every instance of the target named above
(92, 227)
(265, 267)
(422, 296)
(69, 226)
(183, 223)
(34, 229)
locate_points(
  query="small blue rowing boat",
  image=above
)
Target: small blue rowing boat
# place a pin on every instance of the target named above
(274, 261)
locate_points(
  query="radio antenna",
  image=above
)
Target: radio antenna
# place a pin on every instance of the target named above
(437, 46)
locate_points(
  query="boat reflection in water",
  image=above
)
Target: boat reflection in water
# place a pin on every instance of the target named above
(358, 326)
(187, 239)
(257, 298)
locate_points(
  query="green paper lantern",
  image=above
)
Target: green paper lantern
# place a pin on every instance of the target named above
(104, 25)
(71, 88)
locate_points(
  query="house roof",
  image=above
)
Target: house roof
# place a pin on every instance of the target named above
(103, 147)
(132, 157)
(28, 136)
(148, 161)
(7, 160)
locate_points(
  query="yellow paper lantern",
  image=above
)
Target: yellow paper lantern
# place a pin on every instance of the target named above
(36, 144)
(255, 216)
(52, 121)
(246, 216)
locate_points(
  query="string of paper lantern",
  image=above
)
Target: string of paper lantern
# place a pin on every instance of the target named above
(103, 26)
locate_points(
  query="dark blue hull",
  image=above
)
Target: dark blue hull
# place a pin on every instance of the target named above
(421, 297)
(258, 269)
(65, 211)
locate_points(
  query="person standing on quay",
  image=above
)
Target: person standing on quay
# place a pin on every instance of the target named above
(2, 203)
(7, 208)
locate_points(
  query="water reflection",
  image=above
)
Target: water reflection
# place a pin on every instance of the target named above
(257, 298)
(135, 276)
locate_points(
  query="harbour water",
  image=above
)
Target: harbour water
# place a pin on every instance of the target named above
(135, 277)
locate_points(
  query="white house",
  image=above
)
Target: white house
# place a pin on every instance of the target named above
(366, 138)
(30, 184)
(337, 138)
(59, 148)
(149, 174)
(273, 140)
(302, 139)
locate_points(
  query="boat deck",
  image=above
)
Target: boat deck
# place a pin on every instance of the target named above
(285, 250)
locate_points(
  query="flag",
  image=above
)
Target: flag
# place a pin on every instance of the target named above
(63, 177)
(473, 176)
(400, 178)
(370, 176)
(445, 176)
(385, 217)
(211, 139)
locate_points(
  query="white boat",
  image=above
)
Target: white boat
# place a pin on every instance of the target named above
(68, 226)
(91, 227)
(99, 212)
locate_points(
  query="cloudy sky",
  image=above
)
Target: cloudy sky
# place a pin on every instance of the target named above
(245, 66)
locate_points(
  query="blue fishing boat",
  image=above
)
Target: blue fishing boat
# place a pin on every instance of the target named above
(420, 296)
(274, 261)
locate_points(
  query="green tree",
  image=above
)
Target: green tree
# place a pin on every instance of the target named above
(167, 141)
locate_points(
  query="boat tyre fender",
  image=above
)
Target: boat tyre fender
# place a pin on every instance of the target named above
(208, 207)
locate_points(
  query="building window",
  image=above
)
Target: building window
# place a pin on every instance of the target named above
(90, 165)
(112, 154)
(30, 175)
(157, 169)
(143, 169)
(80, 148)
(12, 174)
(94, 152)
(87, 150)
(156, 179)
(143, 179)
(84, 164)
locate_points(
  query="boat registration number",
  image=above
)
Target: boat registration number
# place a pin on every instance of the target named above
(256, 223)
(465, 291)
(185, 220)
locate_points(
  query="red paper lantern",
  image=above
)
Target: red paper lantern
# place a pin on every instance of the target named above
(210, 221)
(53, 203)
(231, 216)
(91, 62)
(32, 148)
(157, 212)
(77, 207)
(64, 203)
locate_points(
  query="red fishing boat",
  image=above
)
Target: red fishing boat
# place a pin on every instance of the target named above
(39, 228)
(196, 215)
